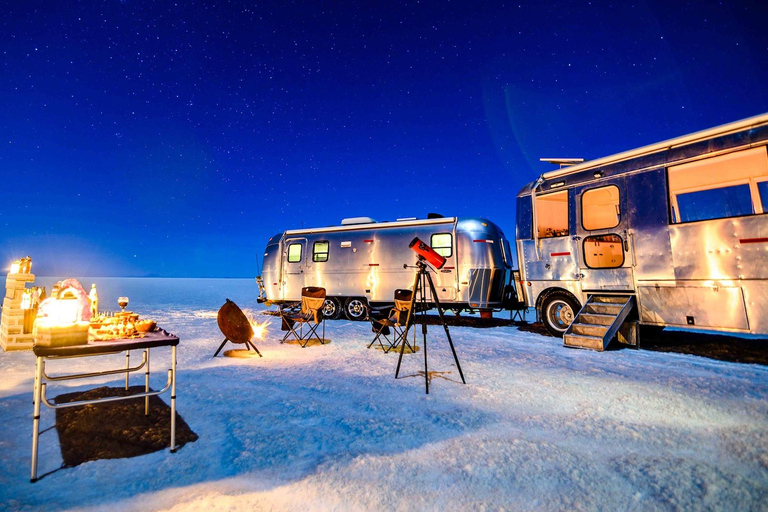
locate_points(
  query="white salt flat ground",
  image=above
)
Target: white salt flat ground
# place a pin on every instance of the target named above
(537, 427)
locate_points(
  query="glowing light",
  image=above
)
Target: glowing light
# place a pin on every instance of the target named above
(259, 329)
(62, 312)
(15, 267)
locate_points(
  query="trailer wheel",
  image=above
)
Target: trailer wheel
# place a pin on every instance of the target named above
(355, 308)
(558, 309)
(331, 308)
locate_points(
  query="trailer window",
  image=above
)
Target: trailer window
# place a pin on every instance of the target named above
(552, 214)
(320, 251)
(724, 186)
(442, 243)
(603, 251)
(600, 208)
(294, 253)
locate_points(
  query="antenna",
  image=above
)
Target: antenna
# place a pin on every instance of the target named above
(562, 162)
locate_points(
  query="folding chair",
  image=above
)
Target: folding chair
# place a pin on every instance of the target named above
(311, 314)
(396, 319)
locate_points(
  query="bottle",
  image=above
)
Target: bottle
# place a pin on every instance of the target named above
(26, 299)
(94, 296)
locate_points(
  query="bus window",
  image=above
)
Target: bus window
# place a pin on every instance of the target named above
(762, 189)
(723, 186)
(600, 208)
(442, 243)
(603, 251)
(715, 203)
(552, 214)
(294, 253)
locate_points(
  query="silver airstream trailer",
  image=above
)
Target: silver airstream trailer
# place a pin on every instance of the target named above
(361, 263)
(671, 234)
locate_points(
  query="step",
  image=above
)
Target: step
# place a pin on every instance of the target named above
(589, 329)
(610, 299)
(604, 308)
(582, 341)
(596, 318)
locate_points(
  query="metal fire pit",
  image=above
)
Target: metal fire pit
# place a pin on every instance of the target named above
(235, 326)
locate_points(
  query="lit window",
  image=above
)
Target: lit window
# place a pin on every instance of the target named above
(320, 251)
(552, 214)
(603, 251)
(723, 186)
(294, 253)
(600, 208)
(442, 243)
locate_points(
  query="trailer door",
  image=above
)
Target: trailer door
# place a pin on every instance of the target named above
(294, 265)
(602, 233)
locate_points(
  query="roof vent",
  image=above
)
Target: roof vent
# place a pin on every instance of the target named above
(357, 220)
(434, 216)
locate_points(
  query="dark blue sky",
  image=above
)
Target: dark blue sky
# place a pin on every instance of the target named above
(168, 138)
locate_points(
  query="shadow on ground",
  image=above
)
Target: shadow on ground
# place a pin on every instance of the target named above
(115, 430)
(714, 346)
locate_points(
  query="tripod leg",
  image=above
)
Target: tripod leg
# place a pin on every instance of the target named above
(221, 346)
(408, 320)
(424, 325)
(445, 326)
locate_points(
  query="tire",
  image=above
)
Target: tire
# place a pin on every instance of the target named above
(558, 309)
(355, 308)
(331, 308)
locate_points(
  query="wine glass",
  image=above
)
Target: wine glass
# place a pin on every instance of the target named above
(122, 302)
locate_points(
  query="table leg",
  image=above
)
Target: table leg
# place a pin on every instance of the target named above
(146, 384)
(173, 399)
(35, 384)
(127, 366)
(36, 415)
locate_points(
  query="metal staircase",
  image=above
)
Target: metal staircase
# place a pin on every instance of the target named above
(602, 318)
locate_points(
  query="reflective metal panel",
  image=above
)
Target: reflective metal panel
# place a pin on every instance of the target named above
(607, 279)
(557, 259)
(694, 306)
(486, 287)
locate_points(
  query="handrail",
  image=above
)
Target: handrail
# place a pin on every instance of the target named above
(535, 222)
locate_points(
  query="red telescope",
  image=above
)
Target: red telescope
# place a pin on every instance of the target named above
(428, 253)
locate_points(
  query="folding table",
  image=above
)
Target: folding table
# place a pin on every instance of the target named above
(155, 339)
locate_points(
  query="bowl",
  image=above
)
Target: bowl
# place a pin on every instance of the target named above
(145, 325)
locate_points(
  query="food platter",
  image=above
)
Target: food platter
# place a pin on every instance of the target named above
(121, 325)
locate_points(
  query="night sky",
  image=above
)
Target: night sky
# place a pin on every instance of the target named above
(173, 139)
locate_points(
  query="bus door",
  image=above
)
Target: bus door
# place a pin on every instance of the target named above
(294, 265)
(602, 235)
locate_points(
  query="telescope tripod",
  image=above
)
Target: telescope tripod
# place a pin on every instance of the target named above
(420, 282)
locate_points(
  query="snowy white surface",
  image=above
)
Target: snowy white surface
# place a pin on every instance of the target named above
(537, 426)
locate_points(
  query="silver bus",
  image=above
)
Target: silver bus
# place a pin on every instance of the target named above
(671, 234)
(362, 262)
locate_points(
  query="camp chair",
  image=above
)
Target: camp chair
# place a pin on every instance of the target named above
(311, 314)
(396, 320)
